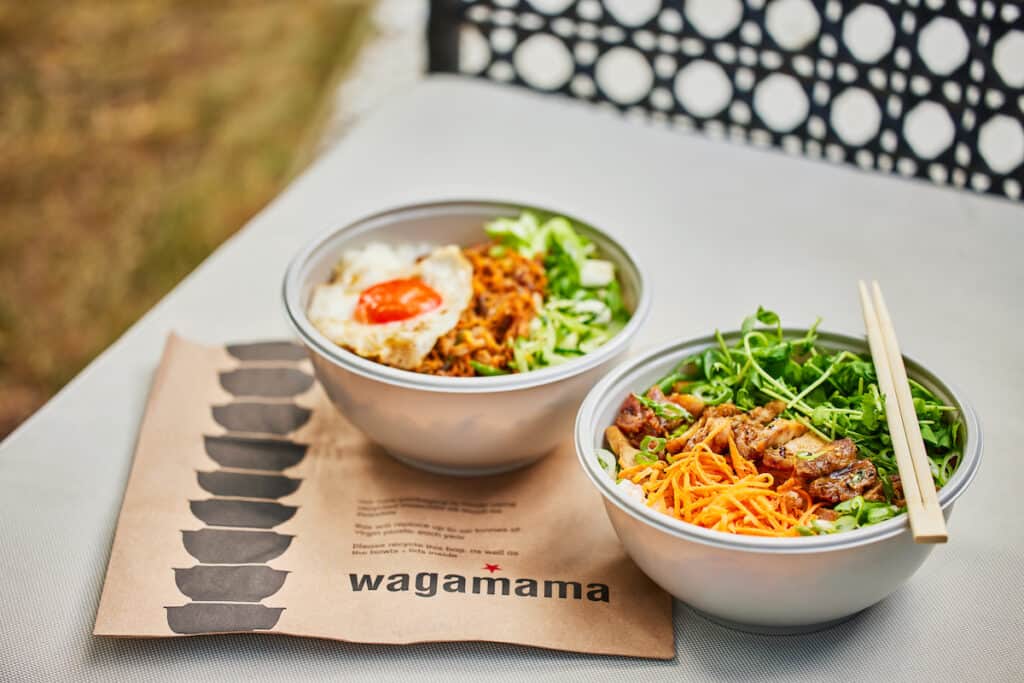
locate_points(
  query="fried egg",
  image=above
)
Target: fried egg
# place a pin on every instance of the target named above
(385, 305)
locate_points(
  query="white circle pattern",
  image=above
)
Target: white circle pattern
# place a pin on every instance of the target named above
(781, 102)
(703, 88)
(624, 75)
(544, 62)
(926, 88)
(792, 23)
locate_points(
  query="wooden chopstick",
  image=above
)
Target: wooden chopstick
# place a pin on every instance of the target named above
(918, 455)
(926, 521)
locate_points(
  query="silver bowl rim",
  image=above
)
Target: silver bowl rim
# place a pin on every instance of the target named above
(352, 362)
(599, 395)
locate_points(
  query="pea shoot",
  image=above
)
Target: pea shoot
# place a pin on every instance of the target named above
(834, 394)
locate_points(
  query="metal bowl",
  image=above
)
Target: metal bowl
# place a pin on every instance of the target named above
(453, 425)
(756, 584)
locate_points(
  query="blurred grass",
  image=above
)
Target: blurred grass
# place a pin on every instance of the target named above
(135, 136)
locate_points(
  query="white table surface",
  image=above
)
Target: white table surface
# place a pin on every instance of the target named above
(747, 227)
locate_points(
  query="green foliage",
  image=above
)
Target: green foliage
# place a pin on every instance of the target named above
(136, 137)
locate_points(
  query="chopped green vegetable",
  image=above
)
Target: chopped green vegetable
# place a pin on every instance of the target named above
(487, 370)
(854, 514)
(653, 444)
(665, 409)
(667, 385)
(597, 273)
(643, 458)
(608, 462)
(583, 308)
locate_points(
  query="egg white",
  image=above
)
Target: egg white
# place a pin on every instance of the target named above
(401, 343)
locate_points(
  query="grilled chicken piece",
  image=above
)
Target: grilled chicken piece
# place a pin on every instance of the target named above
(722, 410)
(777, 432)
(708, 424)
(678, 444)
(778, 458)
(748, 428)
(853, 480)
(712, 419)
(777, 462)
(762, 415)
(621, 447)
(875, 493)
(898, 499)
(808, 443)
(688, 402)
(834, 456)
(826, 514)
(794, 502)
(637, 421)
(745, 434)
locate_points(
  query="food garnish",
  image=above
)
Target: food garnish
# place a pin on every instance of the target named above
(774, 436)
(536, 295)
(583, 307)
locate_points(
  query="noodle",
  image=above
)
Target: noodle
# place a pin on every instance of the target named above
(507, 290)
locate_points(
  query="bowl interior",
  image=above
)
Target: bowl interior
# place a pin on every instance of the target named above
(439, 224)
(455, 222)
(602, 405)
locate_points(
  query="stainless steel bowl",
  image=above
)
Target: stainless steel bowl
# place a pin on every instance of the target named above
(453, 425)
(771, 585)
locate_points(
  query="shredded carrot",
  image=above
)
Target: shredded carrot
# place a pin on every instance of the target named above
(723, 493)
(506, 290)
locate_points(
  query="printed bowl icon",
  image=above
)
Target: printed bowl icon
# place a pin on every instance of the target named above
(247, 583)
(214, 617)
(230, 546)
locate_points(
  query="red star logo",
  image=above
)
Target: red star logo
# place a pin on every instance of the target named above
(492, 567)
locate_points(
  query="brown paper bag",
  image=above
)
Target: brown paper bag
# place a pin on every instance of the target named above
(253, 505)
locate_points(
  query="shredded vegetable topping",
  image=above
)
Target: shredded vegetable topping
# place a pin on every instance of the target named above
(722, 493)
(583, 306)
(541, 297)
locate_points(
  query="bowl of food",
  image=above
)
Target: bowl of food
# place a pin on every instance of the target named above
(751, 474)
(461, 336)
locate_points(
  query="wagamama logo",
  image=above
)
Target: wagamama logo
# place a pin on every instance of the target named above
(428, 584)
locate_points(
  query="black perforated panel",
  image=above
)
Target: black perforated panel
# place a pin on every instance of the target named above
(926, 89)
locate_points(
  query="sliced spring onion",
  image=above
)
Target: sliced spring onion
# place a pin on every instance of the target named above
(652, 444)
(608, 462)
(487, 370)
(665, 409)
(643, 458)
(666, 385)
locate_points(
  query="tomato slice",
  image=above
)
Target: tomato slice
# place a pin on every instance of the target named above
(394, 300)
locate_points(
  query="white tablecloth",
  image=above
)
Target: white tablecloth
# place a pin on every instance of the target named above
(722, 228)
